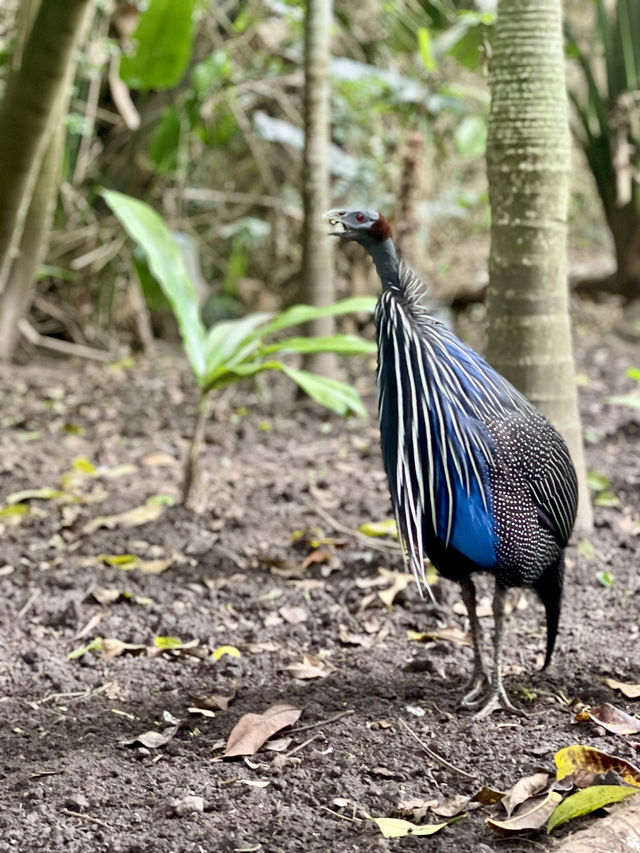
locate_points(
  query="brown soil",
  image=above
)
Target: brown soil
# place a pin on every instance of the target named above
(71, 783)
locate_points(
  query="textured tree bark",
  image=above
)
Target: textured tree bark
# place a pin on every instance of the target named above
(528, 161)
(30, 116)
(317, 249)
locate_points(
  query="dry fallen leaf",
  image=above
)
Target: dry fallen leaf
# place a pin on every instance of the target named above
(416, 807)
(158, 459)
(400, 581)
(311, 667)
(294, 615)
(523, 790)
(131, 518)
(631, 691)
(532, 814)
(113, 648)
(153, 739)
(453, 806)
(451, 634)
(393, 827)
(253, 730)
(610, 718)
(215, 701)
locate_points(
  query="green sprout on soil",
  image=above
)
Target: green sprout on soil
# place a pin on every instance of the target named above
(232, 350)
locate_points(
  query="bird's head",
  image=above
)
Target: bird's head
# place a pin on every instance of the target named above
(362, 226)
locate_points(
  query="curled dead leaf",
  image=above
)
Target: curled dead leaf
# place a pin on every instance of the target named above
(531, 814)
(253, 730)
(631, 691)
(523, 790)
(611, 719)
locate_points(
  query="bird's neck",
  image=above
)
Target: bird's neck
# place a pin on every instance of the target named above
(385, 258)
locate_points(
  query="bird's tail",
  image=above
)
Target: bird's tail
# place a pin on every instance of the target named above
(549, 588)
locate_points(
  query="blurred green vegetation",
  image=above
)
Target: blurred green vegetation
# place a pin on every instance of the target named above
(196, 107)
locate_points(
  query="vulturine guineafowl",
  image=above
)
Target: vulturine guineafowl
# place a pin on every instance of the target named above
(480, 481)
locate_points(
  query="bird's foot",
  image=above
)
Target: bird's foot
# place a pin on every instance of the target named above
(497, 700)
(478, 688)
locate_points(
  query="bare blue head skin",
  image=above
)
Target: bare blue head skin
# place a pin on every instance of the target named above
(372, 230)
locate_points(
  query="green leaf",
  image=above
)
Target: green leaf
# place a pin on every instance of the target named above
(230, 341)
(340, 344)
(379, 528)
(42, 494)
(94, 645)
(393, 827)
(167, 642)
(330, 393)
(634, 373)
(425, 47)
(216, 654)
(588, 800)
(606, 499)
(586, 549)
(471, 136)
(604, 578)
(631, 401)
(163, 38)
(298, 314)
(165, 261)
(597, 482)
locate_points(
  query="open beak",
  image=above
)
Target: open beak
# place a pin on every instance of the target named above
(334, 218)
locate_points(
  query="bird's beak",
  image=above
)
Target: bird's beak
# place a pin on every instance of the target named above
(334, 218)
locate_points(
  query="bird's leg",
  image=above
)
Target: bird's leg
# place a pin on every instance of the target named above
(497, 698)
(480, 681)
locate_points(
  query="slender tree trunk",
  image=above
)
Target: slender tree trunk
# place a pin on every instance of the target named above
(31, 115)
(317, 250)
(528, 159)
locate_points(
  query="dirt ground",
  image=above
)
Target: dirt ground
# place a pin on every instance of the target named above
(273, 568)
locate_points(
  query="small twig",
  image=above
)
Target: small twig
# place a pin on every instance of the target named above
(343, 816)
(300, 746)
(29, 603)
(323, 722)
(366, 540)
(86, 817)
(435, 756)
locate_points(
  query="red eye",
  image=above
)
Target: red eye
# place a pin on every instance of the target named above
(360, 217)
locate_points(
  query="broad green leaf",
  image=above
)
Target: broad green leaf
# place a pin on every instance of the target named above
(15, 510)
(330, 393)
(606, 499)
(165, 261)
(340, 344)
(588, 800)
(298, 314)
(229, 341)
(163, 41)
(393, 827)
(337, 396)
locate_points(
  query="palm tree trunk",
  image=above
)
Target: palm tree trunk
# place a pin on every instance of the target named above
(528, 161)
(317, 250)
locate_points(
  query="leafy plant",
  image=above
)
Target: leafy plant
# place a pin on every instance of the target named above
(607, 122)
(236, 349)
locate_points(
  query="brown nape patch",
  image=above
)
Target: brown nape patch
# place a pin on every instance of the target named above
(381, 230)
